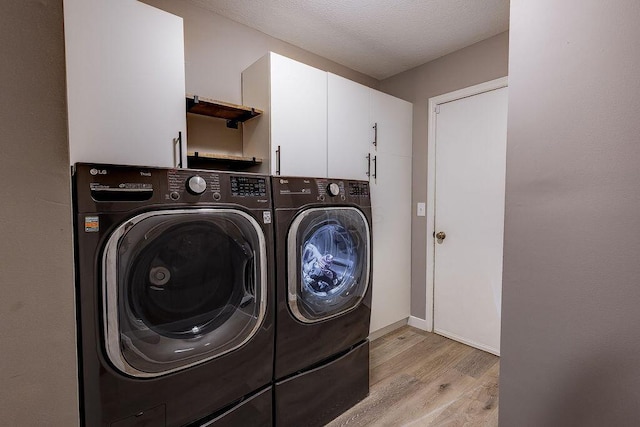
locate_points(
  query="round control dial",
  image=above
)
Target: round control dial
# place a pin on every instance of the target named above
(333, 189)
(196, 185)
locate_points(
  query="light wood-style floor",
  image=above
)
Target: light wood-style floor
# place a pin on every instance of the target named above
(422, 379)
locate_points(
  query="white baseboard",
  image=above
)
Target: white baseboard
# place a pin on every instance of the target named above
(416, 322)
(468, 342)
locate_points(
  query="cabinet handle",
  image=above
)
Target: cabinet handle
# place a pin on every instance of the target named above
(278, 161)
(375, 135)
(375, 168)
(368, 164)
(179, 142)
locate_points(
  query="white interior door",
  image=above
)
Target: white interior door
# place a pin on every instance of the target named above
(470, 157)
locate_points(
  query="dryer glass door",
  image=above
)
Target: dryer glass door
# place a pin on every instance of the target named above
(181, 287)
(329, 262)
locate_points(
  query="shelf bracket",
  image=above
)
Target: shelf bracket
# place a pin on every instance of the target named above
(232, 124)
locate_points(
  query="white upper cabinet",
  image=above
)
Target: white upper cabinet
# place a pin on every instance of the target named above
(393, 118)
(291, 135)
(349, 129)
(125, 83)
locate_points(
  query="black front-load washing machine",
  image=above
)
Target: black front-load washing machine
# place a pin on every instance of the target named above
(174, 296)
(323, 293)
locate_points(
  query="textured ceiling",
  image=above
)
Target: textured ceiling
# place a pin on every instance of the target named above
(379, 38)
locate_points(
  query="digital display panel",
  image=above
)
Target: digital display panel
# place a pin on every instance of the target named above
(243, 186)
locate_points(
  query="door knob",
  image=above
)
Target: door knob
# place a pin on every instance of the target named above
(440, 235)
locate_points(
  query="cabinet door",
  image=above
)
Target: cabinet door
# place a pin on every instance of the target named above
(391, 209)
(391, 228)
(298, 118)
(349, 128)
(125, 82)
(393, 118)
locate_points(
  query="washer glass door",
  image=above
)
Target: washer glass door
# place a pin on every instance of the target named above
(329, 262)
(181, 287)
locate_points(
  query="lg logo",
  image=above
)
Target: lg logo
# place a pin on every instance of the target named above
(95, 171)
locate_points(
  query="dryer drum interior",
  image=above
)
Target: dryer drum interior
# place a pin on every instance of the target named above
(182, 287)
(329, 256)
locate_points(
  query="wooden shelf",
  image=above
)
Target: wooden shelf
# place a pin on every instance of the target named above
(231, 112)
(203, 160)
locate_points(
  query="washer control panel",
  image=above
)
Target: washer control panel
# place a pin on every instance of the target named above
(196, 185)
(181, 181)
(359, 189)
(122, 187)
(217, 186)
(248, 186)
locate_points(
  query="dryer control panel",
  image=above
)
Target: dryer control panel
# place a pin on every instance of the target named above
(328, 188)
(297, 191)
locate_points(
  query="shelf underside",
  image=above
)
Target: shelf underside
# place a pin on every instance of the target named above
(219, 109)
(214, 159)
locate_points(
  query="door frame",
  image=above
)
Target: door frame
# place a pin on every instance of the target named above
(433, 106)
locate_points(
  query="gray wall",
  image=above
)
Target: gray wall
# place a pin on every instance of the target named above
(571, 321)
(37, 320)
(216, 51)
(478, 63)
